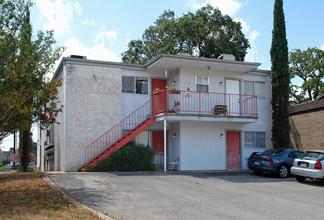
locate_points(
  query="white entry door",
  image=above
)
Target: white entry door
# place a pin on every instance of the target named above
(233, 97)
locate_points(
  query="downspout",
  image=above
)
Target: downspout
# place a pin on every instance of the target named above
(64, 112)
(165, 120)
(38, 145)
(165, 139)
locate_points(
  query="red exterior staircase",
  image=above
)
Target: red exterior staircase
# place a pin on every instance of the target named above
(121, 142)
(114, 138)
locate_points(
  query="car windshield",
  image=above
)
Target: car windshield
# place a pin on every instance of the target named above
(312, 156)
(272, 152)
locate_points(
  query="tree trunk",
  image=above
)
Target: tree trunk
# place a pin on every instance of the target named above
(25, 142)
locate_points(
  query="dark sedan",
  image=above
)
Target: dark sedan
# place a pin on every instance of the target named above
(277, 161)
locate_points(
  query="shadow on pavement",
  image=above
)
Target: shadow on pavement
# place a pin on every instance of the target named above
(234, 177)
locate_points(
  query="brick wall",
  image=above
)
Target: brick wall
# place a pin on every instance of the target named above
(58, 133)
(93, 106)
(307, 131)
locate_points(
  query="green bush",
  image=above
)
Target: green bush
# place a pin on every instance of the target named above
(135, 158)
(4, 162)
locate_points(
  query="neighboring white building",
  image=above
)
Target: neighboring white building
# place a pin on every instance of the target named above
(221, 114)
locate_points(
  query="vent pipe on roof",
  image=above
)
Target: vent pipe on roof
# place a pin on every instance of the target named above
(226, 57)
(78, 57)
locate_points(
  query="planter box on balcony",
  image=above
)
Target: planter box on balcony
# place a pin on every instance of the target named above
(174, 91)
(220, 109)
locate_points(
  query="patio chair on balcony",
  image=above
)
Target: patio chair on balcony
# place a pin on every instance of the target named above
(174, 163)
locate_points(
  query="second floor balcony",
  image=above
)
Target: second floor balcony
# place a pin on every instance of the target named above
(191, 105)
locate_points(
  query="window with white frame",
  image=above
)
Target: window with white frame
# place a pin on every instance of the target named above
(138, 85)
(254, 88)
(202, 83)
(253, 139)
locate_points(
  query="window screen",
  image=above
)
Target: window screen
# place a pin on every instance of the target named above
(260, 139)
(202, 88)
(128, 84)
(248, 88)
(260, 89)
(249, 139)
(254, 139)
(254, 88)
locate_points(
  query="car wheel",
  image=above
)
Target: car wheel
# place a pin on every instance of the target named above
(283, 171)
(322, 181)
(257, 172)
(300, 178)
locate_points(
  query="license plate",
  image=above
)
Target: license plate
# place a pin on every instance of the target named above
(257, 163)
(303, 164)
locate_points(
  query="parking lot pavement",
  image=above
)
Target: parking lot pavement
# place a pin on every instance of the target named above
(210, 195)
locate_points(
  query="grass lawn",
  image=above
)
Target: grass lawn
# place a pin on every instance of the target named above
(27, 196)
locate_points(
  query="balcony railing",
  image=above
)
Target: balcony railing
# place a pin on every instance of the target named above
(222, 104)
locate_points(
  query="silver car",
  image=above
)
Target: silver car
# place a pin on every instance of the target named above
(309, 165)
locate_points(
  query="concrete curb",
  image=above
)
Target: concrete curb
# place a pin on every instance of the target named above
(55, 187)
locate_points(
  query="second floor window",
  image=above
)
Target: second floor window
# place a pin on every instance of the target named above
(254, 88)
(202, 83)
(138, 85)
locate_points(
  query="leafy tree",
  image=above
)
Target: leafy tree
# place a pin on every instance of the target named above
(308, 66)
(280, 79)
(206, 33)
(25, 60)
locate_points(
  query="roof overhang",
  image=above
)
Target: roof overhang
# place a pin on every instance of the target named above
(173, 62)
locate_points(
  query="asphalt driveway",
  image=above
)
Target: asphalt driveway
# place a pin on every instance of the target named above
(210, 195)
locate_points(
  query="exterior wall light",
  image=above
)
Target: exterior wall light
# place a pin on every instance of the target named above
(221, 135)
(220, 83)
(174, 135)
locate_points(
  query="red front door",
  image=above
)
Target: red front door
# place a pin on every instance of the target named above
(158, 84)
(159, 100)
(233, 150)
(158, 148)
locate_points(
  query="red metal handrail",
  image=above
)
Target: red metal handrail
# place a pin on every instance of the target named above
(115, 133)
(209, 102)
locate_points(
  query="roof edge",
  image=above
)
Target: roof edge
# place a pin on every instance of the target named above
(162, 56)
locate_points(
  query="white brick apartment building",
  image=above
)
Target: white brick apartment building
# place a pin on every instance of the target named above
(218, 116)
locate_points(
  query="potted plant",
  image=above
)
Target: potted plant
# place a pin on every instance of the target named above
(172, 90)
(220, 109)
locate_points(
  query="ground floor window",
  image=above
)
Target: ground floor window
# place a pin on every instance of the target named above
(142, 138)
(254, 139)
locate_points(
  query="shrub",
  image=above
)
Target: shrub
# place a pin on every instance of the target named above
(138, 157)
(4, 162)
